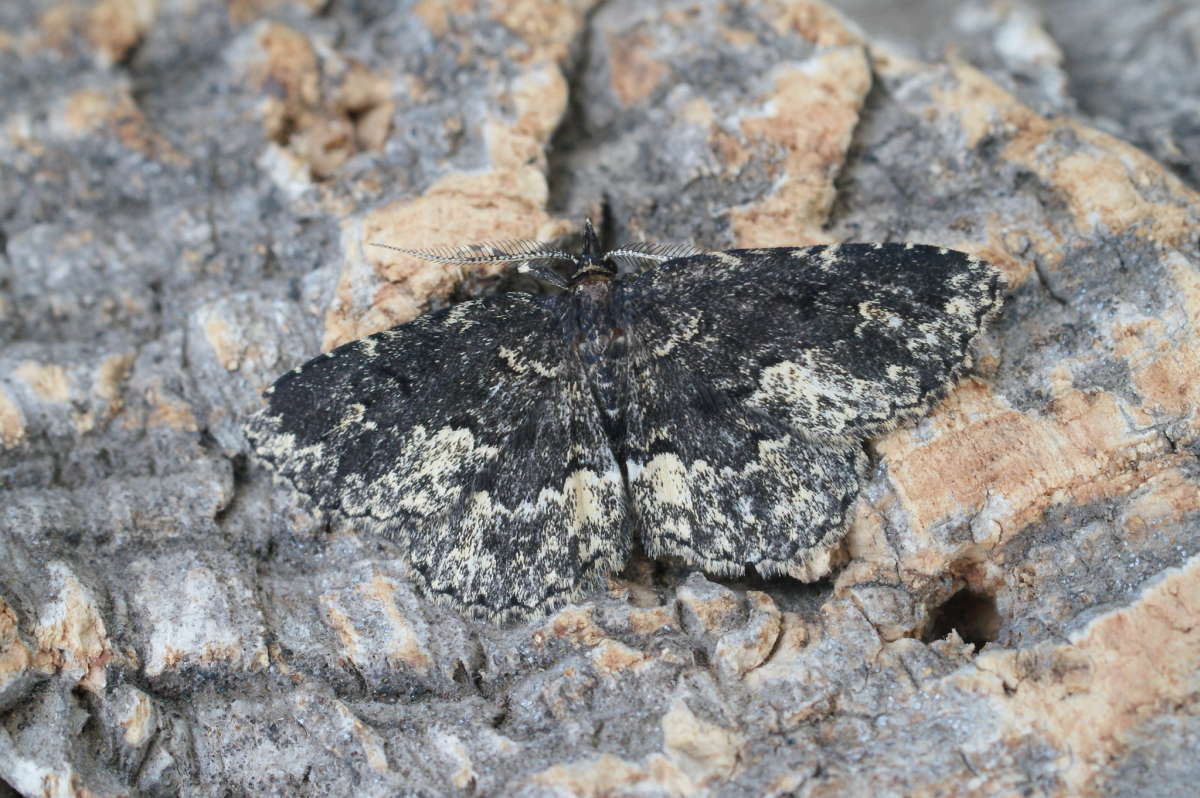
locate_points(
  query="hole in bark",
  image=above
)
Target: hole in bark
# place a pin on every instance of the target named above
(972, 613)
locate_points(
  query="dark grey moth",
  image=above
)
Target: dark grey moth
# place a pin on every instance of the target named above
(713, 405)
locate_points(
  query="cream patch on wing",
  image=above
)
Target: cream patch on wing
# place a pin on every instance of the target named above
(700, 509)
(829, 257)
(823, 391)
(687, 330)
(584, 510)
(521, 363)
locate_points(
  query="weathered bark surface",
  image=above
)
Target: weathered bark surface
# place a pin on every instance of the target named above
(185, 191)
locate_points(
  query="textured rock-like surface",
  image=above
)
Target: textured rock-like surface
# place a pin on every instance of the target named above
(186, 194)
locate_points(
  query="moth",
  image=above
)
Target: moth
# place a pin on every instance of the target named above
(711, 405)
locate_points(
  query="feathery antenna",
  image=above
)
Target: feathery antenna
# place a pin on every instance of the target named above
(487, 252)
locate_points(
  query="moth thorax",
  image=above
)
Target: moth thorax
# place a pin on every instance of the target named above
(592, 289)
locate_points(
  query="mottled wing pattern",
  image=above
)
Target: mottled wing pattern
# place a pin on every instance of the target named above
(722, 485)
(470, 436)
(754, 374)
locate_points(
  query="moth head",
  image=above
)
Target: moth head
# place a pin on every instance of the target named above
(592, 263)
